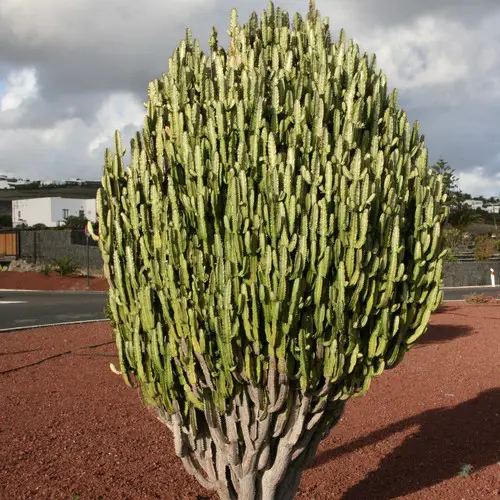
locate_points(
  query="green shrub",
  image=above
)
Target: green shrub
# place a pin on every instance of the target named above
(484, 247)
(479, 298)
(65, 266)
(454, 237)
(465, 470)
(46, 269)
(273, 245)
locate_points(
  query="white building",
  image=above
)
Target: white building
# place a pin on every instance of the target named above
(52, 183)
(474, 204)
(51, 211)
(6, 181)
(493, 209)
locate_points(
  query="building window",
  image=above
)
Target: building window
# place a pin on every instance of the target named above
(81, 214)
(65, 213)
(19, 214)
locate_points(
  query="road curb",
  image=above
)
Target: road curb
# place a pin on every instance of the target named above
(469, 286)
(97, 292)
(106, 291)
(66, 323)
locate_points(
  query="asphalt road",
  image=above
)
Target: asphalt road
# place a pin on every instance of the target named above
(25, 309)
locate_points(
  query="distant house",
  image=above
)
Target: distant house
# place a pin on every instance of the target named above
(52, 183)
(474, 204)
(4, 184)
(51, 212)
(6, 181)
(493, 209)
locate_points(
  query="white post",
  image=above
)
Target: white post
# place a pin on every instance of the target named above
(492, 276)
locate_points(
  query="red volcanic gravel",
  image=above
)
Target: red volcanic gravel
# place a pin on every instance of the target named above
(69, 426)
(14, 280)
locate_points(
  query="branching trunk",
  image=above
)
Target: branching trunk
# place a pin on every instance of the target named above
(252, 453)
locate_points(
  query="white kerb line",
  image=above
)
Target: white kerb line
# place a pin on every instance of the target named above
(492, 276)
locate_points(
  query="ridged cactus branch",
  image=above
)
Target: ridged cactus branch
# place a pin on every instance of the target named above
(272, 246)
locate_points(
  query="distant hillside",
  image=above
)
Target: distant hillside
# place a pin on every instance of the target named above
(7, 195)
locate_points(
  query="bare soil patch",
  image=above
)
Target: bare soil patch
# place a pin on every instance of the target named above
(30, 280)
(69, 426)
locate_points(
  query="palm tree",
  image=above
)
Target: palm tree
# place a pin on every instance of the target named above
(450, 182)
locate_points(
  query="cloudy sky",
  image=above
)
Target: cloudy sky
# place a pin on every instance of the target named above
(71, 72)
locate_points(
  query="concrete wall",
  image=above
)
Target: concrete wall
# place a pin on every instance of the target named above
(46, 245)
(475, 273)
(51, 211)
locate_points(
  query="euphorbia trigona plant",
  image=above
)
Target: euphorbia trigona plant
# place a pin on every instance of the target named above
(272, 246)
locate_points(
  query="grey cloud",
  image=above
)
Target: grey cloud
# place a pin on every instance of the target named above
(461, 137)
(456, 127)
(390, 12)
(86, 50)
(39, 114)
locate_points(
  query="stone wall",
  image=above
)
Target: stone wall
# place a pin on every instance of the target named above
(474, 273)
(43, 246)
(55, 244)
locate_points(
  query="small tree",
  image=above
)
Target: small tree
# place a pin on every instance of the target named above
(484, 247)
(5, 220)
(273, 245)
(75, 222)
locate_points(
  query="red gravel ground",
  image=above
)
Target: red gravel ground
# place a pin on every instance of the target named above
(69, 426)
(14, 280)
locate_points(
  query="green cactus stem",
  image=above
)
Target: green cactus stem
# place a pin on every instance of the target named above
(271, 247)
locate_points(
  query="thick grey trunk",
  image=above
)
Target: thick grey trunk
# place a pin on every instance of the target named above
(251, 453)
